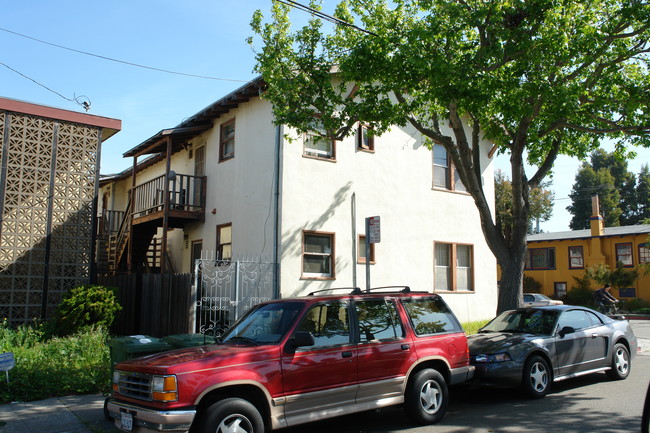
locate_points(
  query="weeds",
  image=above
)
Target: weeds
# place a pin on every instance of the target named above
(44, 368)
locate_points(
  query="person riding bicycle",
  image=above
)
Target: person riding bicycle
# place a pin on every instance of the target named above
(604, 299)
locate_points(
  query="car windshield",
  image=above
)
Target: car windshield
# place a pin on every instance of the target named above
(540, 322)
(266, 324)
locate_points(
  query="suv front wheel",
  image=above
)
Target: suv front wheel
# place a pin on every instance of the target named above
(427, 397)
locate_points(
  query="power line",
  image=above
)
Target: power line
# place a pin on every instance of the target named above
(120, 61)
(77, 99)
(323, 15)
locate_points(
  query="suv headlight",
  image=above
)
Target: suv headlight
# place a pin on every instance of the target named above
(164, 388)
(497, 357)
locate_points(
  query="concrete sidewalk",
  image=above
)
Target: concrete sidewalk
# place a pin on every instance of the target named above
(71, 414)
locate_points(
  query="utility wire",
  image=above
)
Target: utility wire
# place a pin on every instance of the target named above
(323, 15)
(120, 61)
(77, 99)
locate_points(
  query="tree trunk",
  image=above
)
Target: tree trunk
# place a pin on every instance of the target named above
(510, 293)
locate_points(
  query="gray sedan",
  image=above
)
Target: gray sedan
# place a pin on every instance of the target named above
(533, 347)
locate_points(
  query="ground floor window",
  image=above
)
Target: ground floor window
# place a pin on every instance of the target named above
(317, 255)
(624, 254)
(453, 267)
(224, 242)
(560, 289)
(644, 253)
(576, 258)
(540, 258)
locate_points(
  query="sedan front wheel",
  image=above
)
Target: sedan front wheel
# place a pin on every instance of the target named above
(536, 378)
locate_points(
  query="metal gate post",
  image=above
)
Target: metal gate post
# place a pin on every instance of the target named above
(237, 300)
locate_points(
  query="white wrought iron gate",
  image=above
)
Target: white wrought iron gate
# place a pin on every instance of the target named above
(226, 290)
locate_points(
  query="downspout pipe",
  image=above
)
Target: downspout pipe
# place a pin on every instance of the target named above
(277, 229)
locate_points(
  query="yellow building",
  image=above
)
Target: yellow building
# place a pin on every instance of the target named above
(555, 258)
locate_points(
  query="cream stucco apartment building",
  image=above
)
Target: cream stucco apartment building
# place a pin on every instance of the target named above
(240, 186)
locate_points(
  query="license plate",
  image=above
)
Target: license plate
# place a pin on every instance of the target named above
(126, 422)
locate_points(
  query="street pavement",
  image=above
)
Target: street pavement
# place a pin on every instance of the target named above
(85, 413)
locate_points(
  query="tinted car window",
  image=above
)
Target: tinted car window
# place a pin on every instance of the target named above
(528, 321)
(328, 323)
(430, 316)
(594, 319)
(529, 298)
(378, 320)
(265, 324)
(577, 319)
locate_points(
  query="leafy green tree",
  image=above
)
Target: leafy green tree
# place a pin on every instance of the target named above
(643, 194)
(541, 205)
(589, 182)
(624, 182)
(536, 78)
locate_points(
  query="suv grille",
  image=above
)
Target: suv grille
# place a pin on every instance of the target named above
(135, 385)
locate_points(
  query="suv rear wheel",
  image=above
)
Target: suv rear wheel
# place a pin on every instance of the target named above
(231, 415)
(427, 397)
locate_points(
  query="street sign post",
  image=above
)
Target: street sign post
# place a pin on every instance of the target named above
(373, 236)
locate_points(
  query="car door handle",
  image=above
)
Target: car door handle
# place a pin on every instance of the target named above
(346, 354)
(406, 346)
(594, 335)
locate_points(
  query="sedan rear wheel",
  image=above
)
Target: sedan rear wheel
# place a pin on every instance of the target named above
(620, 363)
(536, 379)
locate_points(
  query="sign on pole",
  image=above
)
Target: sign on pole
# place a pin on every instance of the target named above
(7, 362)
(374, 230)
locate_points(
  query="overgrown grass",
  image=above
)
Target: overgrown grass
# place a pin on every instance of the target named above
(473, 327)
(59, 366)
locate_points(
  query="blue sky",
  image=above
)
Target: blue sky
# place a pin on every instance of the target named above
(199, 37)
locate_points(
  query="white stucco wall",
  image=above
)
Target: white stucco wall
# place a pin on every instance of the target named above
(395, 183)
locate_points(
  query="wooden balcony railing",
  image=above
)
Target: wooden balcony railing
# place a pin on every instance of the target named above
(186, 193)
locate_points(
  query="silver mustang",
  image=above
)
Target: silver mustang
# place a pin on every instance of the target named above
(534, 347)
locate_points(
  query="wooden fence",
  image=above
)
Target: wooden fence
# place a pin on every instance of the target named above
(153, 304)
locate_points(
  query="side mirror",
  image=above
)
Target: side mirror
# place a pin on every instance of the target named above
(566, 330)
(300, 339)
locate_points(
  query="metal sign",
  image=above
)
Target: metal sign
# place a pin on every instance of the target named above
(7, 362)
(374, 230)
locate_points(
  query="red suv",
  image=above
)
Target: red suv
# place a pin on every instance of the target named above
(296, 360)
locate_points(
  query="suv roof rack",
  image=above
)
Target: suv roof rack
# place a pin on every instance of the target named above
(404, 289)
(353, 290)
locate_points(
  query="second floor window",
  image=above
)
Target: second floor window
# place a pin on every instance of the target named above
(227, 141)
(317, 143)
(365, 138)
(445, 175)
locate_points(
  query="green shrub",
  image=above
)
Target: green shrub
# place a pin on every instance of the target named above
(531, 285)
(634, 305)
(85, 306)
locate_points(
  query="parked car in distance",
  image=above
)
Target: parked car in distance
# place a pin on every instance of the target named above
(534, 347)
(539, 300)
(296, 360)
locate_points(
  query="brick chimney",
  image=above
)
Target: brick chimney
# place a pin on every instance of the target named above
(596, 220)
